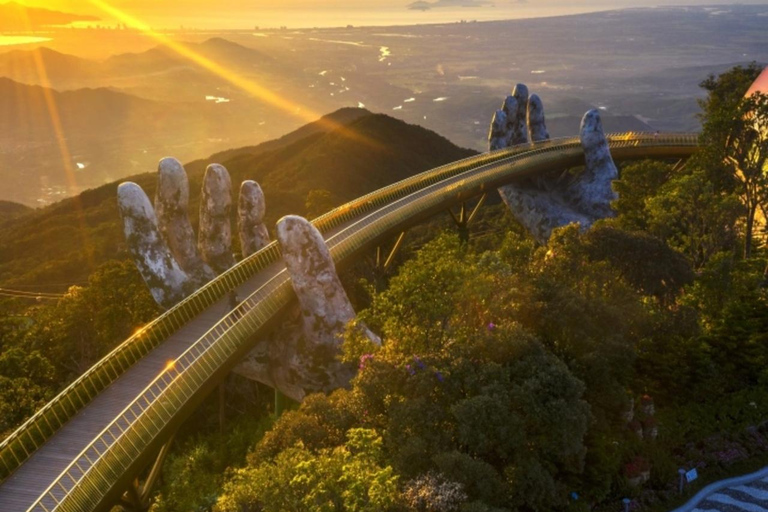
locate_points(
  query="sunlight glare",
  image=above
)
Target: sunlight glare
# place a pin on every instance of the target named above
(249, 86)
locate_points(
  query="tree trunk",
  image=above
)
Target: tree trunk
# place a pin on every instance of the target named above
(751, 211)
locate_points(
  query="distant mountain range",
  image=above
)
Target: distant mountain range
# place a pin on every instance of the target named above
(105, 134)
(18, 17)
(64, 242)
(129, 70)
(61, 70)
(116, 116)
(9, 210)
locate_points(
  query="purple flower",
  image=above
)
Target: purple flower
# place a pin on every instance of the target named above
(419, 363)
(439, 376)
(491, 326)
(410, 370)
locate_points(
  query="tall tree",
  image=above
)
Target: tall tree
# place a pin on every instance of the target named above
(735, 138)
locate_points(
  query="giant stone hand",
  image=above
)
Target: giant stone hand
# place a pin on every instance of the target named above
(162, 241)
(544, 203)
(298, 357)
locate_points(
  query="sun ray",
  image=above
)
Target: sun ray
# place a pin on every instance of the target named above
(250, 87)
(61, 141)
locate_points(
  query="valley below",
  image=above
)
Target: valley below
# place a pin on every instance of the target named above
(95, 113)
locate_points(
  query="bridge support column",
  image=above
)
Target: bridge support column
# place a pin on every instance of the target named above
(384, 264)
(281, 402)
(138, 497)
(222, 406)
(679, 165)
(463, 220)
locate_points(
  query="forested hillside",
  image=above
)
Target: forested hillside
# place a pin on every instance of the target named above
(348, 154)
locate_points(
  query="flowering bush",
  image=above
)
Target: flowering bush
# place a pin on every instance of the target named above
(433, 493)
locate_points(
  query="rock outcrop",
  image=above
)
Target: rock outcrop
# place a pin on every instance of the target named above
(215, 240)
(544, 203)
(165, 278)
(251, 209)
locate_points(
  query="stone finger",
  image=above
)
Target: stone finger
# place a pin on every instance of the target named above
(166, 280)
(215, 237)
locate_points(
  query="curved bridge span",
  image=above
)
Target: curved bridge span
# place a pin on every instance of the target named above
(82, 450)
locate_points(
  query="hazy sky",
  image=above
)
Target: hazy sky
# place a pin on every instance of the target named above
(247, 13)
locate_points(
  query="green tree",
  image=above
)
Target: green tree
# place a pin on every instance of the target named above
(460, 391)
(319, 202)
(693, 217)
(26, 384)
(89, 321)
(350, 477)
(637, 183)
(735, 138)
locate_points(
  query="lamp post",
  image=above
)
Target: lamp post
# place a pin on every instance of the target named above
(681, 471)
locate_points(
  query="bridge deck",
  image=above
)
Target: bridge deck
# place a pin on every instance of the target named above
(20, 491)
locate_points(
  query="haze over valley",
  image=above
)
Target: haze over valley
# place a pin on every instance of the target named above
(75, 114)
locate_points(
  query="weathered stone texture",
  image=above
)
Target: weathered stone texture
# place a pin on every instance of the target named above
(307, 360)
(592, 192)
(497, 137)
(172, 210)
(540, 211)
(510, 108)
(215, 237)
(167, 282)
(520, 134)
(537, 125)
(250, 218)
(543, 203)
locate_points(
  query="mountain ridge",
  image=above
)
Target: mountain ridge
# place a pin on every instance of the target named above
(69, 239)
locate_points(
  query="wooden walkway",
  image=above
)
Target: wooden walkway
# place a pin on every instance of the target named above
(24, 487)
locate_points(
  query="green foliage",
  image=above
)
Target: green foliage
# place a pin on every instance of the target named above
(55, 342)
(350, 477)
(693, 217)
(26, 384)
(460, 391)
(638, 182)
(726, 414)
(645, 262)
(89, 321)
(194, 474)
(319, 202)
(416, 307)
(735, 141)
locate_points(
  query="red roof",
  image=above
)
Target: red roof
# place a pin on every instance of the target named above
(761, 84)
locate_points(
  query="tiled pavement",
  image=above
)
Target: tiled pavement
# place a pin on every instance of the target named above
(739, 497)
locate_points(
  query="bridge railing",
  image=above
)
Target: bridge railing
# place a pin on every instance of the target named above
(91, 475)
(35, 431)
